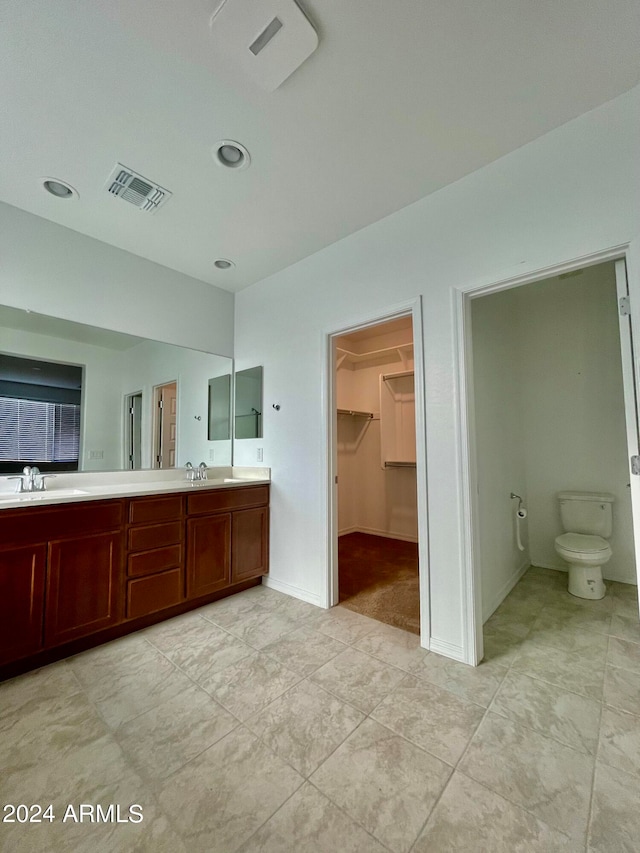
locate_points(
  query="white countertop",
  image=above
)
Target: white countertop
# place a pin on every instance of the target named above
(102, 485)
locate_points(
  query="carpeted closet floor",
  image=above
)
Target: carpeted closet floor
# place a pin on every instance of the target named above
(379, 578)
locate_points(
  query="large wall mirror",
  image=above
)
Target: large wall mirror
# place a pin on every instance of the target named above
(138, 403)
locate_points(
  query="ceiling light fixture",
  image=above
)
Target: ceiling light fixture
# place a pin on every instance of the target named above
(231, 155)
(223, 264)
(59, 189)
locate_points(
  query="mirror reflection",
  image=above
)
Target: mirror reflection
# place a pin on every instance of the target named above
(248, 403)
(142, 404)
(220, 408)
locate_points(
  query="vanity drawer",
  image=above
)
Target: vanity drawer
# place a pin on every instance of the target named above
(155, 536)
(155, 592)
(236, 497)
(29, 524)
(153, 509)
(157, 560)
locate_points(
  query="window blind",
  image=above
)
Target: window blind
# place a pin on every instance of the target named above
(34, 431)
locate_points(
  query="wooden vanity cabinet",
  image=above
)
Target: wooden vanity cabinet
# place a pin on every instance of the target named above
(155, 554)
(22, 574)
(64, 585)
(227, 538)
(76, 575)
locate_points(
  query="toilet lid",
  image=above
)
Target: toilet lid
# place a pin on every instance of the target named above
(582, 542)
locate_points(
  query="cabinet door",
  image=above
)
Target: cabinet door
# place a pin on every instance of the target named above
(84, 582)
(250, 544)
(208, 553)
(21, 602)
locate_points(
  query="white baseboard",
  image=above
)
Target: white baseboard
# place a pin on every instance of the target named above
(293, 591)
(447, 650)
(387, 534)
(505, 589)
(608, 576)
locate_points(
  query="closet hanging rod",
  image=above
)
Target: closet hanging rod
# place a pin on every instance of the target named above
(355, 414)
(387, 376)
(399, 464)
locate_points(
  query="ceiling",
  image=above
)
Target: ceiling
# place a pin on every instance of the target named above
(399, 100)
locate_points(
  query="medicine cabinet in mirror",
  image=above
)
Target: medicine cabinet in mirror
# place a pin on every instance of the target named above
(248, 403)
(119, 373)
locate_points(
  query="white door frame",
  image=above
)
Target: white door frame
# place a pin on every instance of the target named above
(471, 565)
(412, 308)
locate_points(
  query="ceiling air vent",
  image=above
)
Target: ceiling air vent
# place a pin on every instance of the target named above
(141, 192)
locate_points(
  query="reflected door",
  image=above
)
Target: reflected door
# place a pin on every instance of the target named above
(166, 412)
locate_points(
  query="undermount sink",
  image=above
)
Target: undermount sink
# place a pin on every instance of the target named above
(29, 497)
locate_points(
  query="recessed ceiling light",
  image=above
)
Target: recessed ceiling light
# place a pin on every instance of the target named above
(231, 154)
(59, 189)
(223, 264)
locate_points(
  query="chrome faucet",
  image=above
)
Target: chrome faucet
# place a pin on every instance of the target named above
(195, 474)
(31, 480)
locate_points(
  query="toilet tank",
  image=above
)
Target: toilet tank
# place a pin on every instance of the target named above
(587, 512)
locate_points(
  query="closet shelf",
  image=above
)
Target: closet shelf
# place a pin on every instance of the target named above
(387, 376)
(354, 414)
(401, 351)
(399, 464)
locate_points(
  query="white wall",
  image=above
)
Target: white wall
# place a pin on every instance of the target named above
(573, 192)
(102, 423)
(499, 441)
(573, 408)
(53, 270)
(151, 363)
(370, 498)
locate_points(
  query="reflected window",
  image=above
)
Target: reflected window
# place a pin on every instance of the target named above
(39, 414)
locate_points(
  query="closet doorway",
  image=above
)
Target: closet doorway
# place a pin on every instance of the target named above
(377, 512)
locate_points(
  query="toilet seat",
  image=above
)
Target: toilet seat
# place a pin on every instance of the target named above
(582, 543)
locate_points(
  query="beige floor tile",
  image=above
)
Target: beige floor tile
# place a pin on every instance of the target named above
(430, 717)
(358, 678)
(501, 646)
(627, 607)
(47, 731)
(294, 608)
(305, 725)
(626, 628)
(622, 689)
(94, 666)
(548, 779)
(304, 650)
(218, 800)
(476, 683)
(344, 625)
(574, 670)
(569, 615)
(250, 685)
(624, 654)
(162, 740)
(556, 713)
(19, 694)
(623, 591)
(615, 816)
(258, 627)
(228, 610)
(386, 784)
(471, 819)
(518, 622)
(393, 646)
(142, 679)
(551, 629)
(620, 740)
(311, 823)
(564, 599)
(198, 647)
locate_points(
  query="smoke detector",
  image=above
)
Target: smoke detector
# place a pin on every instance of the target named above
(267, 41)
(128, 185)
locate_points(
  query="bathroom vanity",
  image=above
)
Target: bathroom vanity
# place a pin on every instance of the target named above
(80, 569)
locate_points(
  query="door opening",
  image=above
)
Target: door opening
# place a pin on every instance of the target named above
(376, 495)
(133, 431)
(551, 412)
(165, 409)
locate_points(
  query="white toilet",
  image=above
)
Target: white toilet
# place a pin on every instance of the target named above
(588, 519)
